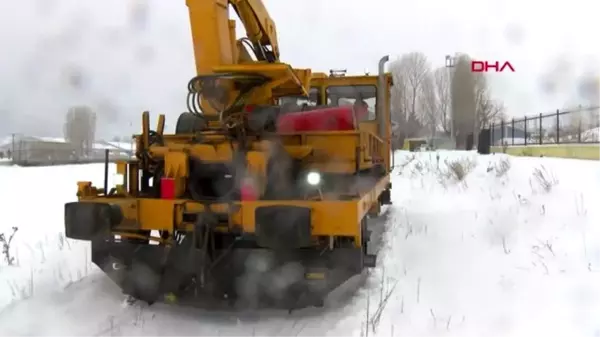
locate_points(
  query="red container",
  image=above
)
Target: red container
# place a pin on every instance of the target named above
(248, 189)
(248, 192)
(167, 188)
(339, 118)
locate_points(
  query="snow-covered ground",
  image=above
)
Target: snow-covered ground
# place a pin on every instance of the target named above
(511, 250)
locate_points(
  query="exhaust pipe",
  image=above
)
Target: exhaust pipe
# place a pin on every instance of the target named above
(381, 122)
(380, 108)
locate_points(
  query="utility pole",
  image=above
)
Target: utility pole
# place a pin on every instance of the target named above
(450, 63)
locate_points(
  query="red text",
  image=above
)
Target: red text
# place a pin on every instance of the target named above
(486, 66)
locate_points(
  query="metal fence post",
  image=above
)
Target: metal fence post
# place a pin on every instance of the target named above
(570, 128)
(513, 132)
(557, 126)
(525, 130)
(541, 129)
(579, 129)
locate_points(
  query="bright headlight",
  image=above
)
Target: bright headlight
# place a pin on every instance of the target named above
(313, 178)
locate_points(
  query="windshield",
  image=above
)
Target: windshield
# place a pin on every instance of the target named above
(311, 100)
(349, 94)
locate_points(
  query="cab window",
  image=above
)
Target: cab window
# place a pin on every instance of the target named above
(351, 94)
(311, 100)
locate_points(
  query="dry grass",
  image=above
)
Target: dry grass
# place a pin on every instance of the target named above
(407, 160)
(502, 167)
(6, 245)
(544, 178)
(456, 171)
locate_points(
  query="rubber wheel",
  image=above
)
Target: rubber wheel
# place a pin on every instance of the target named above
(142, 283)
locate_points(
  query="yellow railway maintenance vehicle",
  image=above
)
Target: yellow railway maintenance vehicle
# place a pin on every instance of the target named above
(262, 193)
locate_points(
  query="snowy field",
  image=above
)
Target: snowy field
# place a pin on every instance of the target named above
(475, 246)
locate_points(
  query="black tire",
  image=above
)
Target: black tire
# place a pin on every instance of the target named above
(142, 283)
(365, 235)
(190, 123)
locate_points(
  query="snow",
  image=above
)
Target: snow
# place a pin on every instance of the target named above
(495, 254)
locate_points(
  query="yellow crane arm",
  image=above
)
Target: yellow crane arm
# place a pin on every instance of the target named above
(260, 28)
(213, 33)
(218, 52)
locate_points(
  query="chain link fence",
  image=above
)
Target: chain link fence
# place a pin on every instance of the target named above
(24, 150)
(575, 126)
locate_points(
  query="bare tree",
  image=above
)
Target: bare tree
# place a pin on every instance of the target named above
(398, 93)
(486, 108)
(409, 74)
(80, 129)
(443, 99)
(430, 105)
(416, 69)
(442, 82)
(399, 104)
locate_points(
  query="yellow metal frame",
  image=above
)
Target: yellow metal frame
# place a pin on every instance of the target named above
(342, 152)
(329, 217)
(370, 141)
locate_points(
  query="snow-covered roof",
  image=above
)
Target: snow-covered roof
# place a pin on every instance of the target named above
(98, 145)
(123, 145)
(49, 139)
(113, 145)
(591, 135)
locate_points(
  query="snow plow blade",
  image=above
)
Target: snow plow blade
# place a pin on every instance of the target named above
(245, 278)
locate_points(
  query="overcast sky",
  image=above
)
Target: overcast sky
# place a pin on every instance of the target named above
(107, 54)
